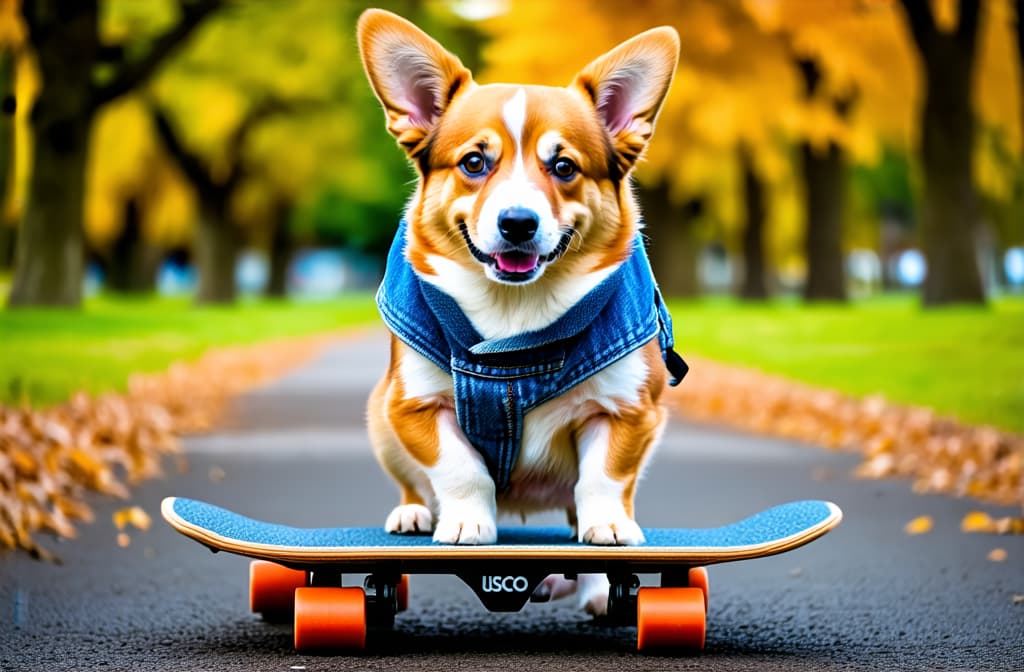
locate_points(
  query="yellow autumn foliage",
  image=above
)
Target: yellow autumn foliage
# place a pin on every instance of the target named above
(738, 84)
(209, 87)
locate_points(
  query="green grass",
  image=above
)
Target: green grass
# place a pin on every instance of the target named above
(47, 354)
(965, 362)
(961, 361)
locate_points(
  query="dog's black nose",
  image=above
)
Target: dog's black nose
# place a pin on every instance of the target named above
(517, 225)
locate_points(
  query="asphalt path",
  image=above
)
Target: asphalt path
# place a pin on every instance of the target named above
(866, 596)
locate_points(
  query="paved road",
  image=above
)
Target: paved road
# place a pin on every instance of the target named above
(867, 596)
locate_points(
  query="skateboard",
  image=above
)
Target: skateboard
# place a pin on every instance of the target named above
(297, 573)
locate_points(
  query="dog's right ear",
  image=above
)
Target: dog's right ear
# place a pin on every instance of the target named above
(414, 77)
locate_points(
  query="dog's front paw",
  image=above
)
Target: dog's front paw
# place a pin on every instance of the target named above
(620, 532)
(466, 529)
(409, 519)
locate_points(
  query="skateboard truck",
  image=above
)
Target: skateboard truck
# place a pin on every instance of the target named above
(622, 598)
(382, 599)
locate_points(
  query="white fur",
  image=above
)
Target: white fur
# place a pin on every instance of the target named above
(602, 515)
(467, 512)
(514, 116)
(497, 311)
(615, 385)
(548, 144)
(591, 591)
(409, 518)
(421, 378)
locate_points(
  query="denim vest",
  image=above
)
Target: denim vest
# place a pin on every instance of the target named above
(498, 381)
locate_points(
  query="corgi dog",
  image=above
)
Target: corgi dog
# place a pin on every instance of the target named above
(529, 344)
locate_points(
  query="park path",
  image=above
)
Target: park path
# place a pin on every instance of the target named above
(867, 596)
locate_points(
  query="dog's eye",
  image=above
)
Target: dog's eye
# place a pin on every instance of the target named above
(473, 164)
(564, 169)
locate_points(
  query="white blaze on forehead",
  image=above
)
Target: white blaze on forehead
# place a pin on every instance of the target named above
(514, 115)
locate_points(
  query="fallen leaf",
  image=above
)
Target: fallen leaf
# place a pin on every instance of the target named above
(123, 539)
(998, 555)
(216, 474)
(919, 525)
(1009, 525)
(977, 521)
(133, 516)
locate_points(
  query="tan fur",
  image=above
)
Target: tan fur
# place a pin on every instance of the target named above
(407, 418)
(636, 428)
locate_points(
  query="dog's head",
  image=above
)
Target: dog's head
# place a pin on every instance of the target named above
(518, 182)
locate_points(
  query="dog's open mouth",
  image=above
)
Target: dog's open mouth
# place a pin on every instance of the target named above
(516, 265)
(516, 262)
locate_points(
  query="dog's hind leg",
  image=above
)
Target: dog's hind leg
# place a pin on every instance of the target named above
(592, 591)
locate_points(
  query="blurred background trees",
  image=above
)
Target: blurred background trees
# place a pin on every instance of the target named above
(822, 148)
(79, 73)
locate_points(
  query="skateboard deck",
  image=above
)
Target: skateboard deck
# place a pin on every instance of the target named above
(771, 531)
(298, 571)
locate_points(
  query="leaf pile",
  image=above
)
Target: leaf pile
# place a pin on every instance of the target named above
(940, 454)
(51, 458)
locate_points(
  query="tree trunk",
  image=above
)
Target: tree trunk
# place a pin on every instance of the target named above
(754, 286)
(50, 257)
(824, 179)
(50, 260)
(8, 106)
(824, 182)
(133, 261)
(673, 246)
(8, 243)
(218, 240)
(281, 249)
(216, 253)
(949, 214)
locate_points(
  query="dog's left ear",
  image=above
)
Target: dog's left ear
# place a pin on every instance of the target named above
(627, 86)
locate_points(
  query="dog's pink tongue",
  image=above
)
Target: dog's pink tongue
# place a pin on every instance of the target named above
(516, 262)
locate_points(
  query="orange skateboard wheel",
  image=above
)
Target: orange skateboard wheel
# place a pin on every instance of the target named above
(272, 589)
(698, 578)
(402, 592)
(330, 618)
(670, 618)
